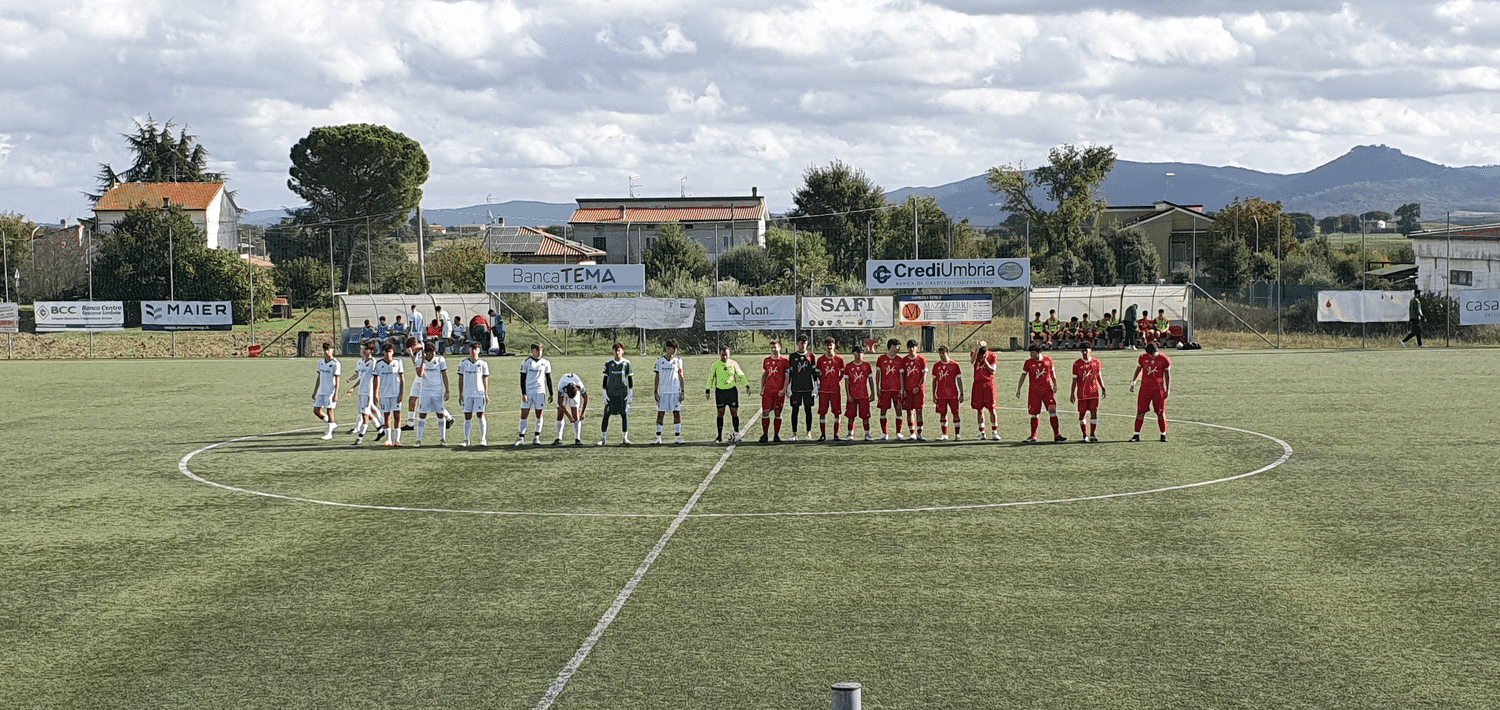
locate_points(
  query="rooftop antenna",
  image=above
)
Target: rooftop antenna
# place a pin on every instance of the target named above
(490, 199)
(633, 178)
(683, 179)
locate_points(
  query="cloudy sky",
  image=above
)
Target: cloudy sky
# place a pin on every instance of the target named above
(555, 99)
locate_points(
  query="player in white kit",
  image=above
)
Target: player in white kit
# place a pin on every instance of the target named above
(432, 375)
(413, 401)
(474, 386)
(536, 391)
(669, 379)
(573, 403)
(364, 374)
(390, 380)
(326, 389)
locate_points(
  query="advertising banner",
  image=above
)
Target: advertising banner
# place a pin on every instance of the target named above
(826, 312)
(187, 315)
(10, 318)
(565, 278)
(1475, 307)
(1363, 306)
(648, 313)
(947, 273)
(965, 308)
(79, 316)
(750, 313)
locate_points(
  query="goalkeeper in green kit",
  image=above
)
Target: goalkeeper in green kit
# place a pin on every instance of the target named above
(723, 388)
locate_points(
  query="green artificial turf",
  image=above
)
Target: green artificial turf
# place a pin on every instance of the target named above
(1359, 574)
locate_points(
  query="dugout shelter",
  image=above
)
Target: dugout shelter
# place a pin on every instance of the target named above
(355, 308)
(1071, 301)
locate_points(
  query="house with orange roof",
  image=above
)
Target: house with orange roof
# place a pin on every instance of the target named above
(208, 204)
(529, 245)
(623, 228)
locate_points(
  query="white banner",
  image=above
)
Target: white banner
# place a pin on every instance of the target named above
(648, 313)
(81, 316)
(947, 273)
(10, 318)
(825, 312)
(1363, 306)
(187, 315)
(750, 313)
(965, 308)
(565, 278)
(1478, 307)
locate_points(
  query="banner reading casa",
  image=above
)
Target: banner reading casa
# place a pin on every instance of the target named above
(947, 273)
(565, 278)
(1478, 307)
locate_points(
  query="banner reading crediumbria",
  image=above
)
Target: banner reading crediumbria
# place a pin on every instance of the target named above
(947, 273)
(565, 278)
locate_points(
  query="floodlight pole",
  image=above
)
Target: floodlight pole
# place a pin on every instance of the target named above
(333, 328)
(1448, 285)
(1278, 282)
(172, 279)
(1363, 267)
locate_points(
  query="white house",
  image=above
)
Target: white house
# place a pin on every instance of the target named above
(623, 228)
(208, 204)
(1457, 258)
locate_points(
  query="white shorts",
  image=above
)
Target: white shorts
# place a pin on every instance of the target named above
(325, 401)
(474, 405)
(670, 402)
(536, 400)
(430, 404)
(364, 402)
(416, 388)
(570, 402)
(391, 403)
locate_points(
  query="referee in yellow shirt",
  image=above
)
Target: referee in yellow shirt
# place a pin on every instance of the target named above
(723, 386)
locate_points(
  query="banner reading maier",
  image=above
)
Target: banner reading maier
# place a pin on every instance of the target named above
(565, 278)
(187, 315)
(750, 313)
(824, 312)
(648, 313)
(963, 308)
(80, 316)
(10, 318)
(1363, 306)
(947, 273)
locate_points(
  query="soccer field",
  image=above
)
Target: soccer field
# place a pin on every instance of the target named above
(1358, 573)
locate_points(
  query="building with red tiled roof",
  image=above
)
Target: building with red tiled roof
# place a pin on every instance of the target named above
(623, 228)
(1177, 231)
(1457, 257)
(208, 204)
(529, 245)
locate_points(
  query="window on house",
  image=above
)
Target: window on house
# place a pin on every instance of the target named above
(1461, 278)
(601, 243)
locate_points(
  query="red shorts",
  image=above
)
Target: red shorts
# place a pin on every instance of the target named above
(983, 398)
(1037, 401)
(858, 407)
(914, 400)
(1090, 404)
(1148, 400)
(772, 401)
(829, 401)
(947, 404)
(889, 399)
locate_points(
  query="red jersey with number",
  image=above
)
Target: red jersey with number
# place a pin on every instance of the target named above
(914, 372)
(984, 370)
(890, 372)
(858, 372)
(1040, 374)
(830, 373)
(1088, 373)
(946, 375)
(1154, 371)
(775, 369)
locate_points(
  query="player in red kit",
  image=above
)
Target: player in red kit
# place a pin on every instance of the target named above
(772, 390)
(888, 373)
(1153, 371)
(947, 391)
(857, 375)
(830, 383)
(1043, 392)
(983, 397)
(1087, 390)
(913, 390)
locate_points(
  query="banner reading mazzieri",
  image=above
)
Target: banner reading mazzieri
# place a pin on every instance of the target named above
(565, 278)
(947, 273)
(187, 315)
(750, 313)
(79, 316)
(824, 312)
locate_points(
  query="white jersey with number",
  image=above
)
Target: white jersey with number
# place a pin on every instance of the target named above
(366, 371)
(431, 377)
(669, 374)
(329, 372)
(473, 372)
(536, 371)
(390, 376)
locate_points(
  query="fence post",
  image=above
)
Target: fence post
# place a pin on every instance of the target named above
(846, 696)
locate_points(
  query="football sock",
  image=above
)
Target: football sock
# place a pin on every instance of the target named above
(1055, 430)
(421, 427)
(1036, 424)
(956, 427)
(484, 428)
(559, 429)
(334, 425)
(721, 426)
(765, 426)
(944, 423)
(523, 427)
(625, 424)
(1093, 427)
(898, 425)
(604, 424)
(677, 428)
(885, 428)
(1083, 426)
(778, 425)
(794, 419)
(1138, 419)
(736, 419)
(396, 433)
(823, 426)
(658, 428)
(578, 429)
(468, 428)
(1161, 421)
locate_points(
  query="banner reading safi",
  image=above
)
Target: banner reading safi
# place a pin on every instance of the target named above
(947, 273)
(565, 278)
(750, 313)
(825, 312)
(187, 315)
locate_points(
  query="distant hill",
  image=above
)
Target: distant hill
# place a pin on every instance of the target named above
(1366, 178)
(521, 213)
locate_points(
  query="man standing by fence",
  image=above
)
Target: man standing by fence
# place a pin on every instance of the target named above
(1414, 312)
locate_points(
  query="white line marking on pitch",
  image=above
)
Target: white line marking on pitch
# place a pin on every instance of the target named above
(614, 609)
